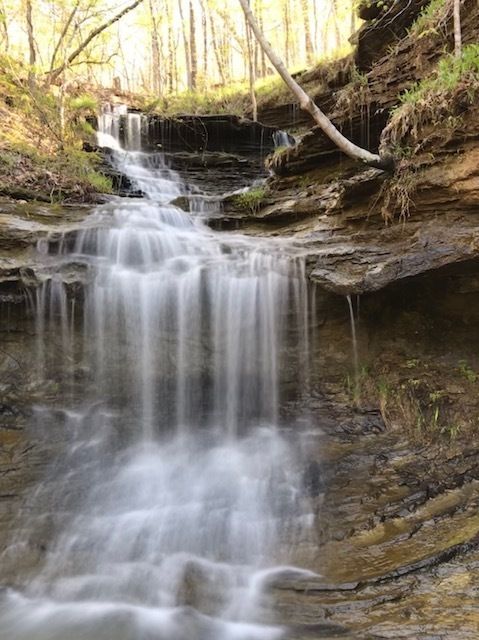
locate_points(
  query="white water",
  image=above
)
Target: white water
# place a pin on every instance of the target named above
(177, 496)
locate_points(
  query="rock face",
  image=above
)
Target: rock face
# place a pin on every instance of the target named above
(22, 227)
(386, 22)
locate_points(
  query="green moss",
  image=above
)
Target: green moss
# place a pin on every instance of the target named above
(250, 200)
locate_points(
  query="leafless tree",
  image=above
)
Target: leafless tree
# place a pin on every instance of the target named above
(307, 104)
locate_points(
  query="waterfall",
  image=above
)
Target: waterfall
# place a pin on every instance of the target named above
(178, 495)
(283, 139)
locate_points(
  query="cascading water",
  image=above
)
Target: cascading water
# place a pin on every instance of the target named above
(179, 493)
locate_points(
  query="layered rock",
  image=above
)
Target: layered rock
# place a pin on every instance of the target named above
(361, 108)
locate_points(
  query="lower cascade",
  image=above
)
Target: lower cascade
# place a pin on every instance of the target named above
(177, 499)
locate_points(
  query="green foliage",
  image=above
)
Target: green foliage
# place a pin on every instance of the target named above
(84, 103)
(428, 18)
(250, 200)
(358, 78)
(7, 159)
(449, 73)
(451, 430)
(231, 100)
(99, 182)
(383, 5)
(467, 372)
(356, 383)
(437, 100)
(81, 166)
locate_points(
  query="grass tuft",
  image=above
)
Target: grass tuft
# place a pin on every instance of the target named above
(430, 18)
(250, 200)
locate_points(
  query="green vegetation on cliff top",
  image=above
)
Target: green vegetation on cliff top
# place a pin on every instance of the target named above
(41, 138)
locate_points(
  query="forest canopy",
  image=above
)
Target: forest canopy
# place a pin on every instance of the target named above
(161, 47)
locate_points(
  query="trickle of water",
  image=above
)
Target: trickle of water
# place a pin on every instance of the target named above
(352, 321)
(177, 496)
(283, 139)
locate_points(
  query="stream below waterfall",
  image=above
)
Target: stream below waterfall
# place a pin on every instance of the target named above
(178, 497)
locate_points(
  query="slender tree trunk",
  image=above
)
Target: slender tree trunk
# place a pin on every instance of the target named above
(186, 45)
(334, 12)
(457, 29)
(91, 36)
(286, 27)
(4, 26)
(193, 48)
(353, 17)
(217, 52)
(171, 48)
(251, 75)
(125, 64)
(308, 44)
(204, 26)
(155, 51)
(31, 44)
(307, 104)
(254, 42)
(262, 70)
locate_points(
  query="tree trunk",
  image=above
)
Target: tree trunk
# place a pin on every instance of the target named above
(457, 29)
(251, 75)
(91, 36)
(353, 18)
(4, 25)
(262, 70)
(286, 32)
(337, 34)
(31, 44)
(204, 26)
(193, 48)
(155, 51)
(307, 104)
(186, 45)
(171, 48)
(217, 52)
(308, 44)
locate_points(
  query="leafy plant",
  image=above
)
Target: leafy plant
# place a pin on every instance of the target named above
(84, 102)
(466, 371)
(450, 71)
(429, 18)
(250, 200)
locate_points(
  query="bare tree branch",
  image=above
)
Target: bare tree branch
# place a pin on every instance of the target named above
(91, 36)
(63, 34)
(307, 104)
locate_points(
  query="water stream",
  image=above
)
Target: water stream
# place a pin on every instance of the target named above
(177, 497)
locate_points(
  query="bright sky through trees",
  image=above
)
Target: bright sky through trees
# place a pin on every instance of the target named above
(168, 46)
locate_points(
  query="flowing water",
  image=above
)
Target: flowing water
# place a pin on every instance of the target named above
(177, 498)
